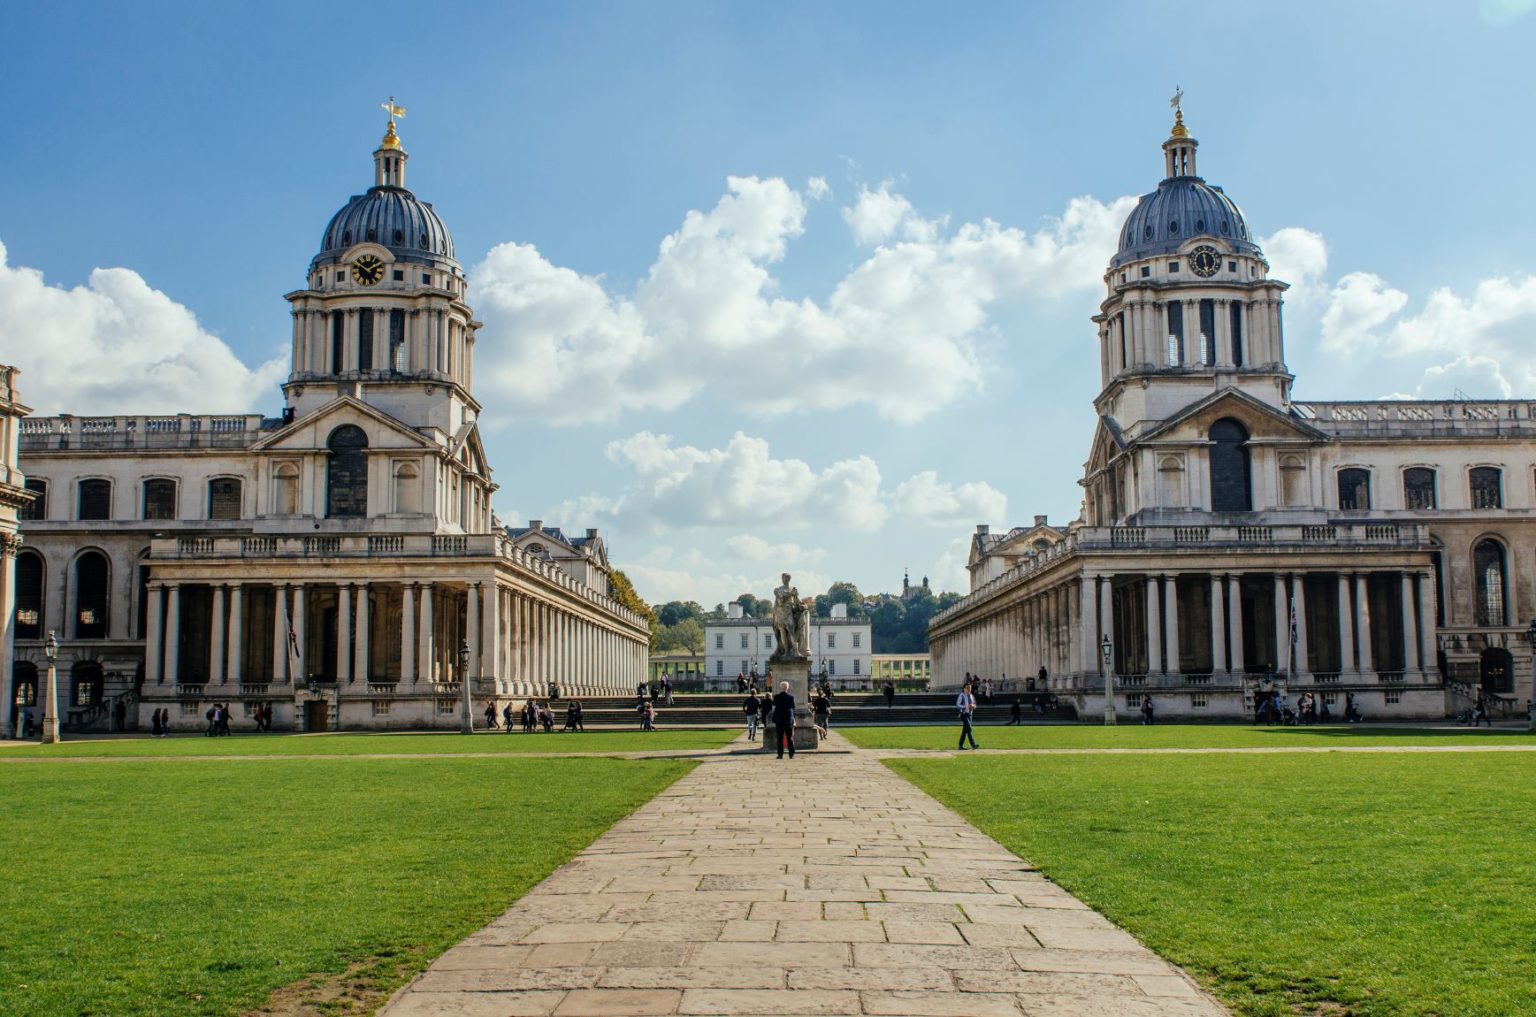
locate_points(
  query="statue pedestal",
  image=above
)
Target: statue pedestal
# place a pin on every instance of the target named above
(798, 674)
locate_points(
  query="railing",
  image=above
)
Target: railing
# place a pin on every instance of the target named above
(257, 689)
(1421, 418)
(258, 547)
(1191, 534)
(66, 431)
(189, 691)
(1391, 677)
(195, 545)
(1325, 677)
(449, 545)
(386, 544)
(323, 547)
(382, 688)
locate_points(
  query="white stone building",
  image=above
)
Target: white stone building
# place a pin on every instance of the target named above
(1401, 535)
(330, 562)
(14, 498)
(740, 644)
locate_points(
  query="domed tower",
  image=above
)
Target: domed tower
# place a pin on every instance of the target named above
(1191, 308)
(384, 318)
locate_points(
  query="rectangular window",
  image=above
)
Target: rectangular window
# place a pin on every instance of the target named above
(1237, 333)
(856, 639)
(855, 665)
(189, 709)
(1393, 697)
(1231, 266)
(426, 279)
(1123, 364)
(768, 641)
(1174, 312)
(365, 340)
(224, 498)
(1173, 266)
(341, 277)
(95, 499)
(1487, 488)
(1133, 700)
(399, 276)
(1207, 332)
(744, 641)
(381, 707)
(1419, 488)
(1146, 270)
(831, 667)
(338, 340)
(745, 667)
(37, 508)
(397, 341)
(1330, 698)
(719, 667)
(831, 640)
(159, 499)
(719, 641)
(447, 706)
(1199, 700)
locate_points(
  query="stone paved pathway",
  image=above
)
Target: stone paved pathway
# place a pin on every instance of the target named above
(825, 885)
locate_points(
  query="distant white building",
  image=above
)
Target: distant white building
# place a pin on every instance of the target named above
(740, 644)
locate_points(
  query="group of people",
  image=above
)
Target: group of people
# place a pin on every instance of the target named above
(659, 693)
(777, 712)
(1273, 706)
(534, 715)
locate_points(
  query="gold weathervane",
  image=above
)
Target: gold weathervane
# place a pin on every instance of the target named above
(1177, 102)
(391, 139)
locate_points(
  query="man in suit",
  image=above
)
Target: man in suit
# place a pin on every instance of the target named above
(784, 720)
(965, 703)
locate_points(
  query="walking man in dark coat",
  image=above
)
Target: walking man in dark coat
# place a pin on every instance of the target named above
(784, 720)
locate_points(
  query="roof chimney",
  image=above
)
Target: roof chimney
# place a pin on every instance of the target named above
(591, 533)
(536, 524)
(1040, 521)
(733, 610)
(982, 529)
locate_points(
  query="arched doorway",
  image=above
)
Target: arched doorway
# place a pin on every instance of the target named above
(1231, 485)
(87, 685)
(92, 595)
(347, 473)
(23, 692)
(1497, 670)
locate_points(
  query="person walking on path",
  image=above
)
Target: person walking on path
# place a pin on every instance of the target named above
(1480, 712)
(1146, 710)
(765, 713)
(490, 715)
(750, 706)
(821, 713)
(507, 714)
(666, 689)
(890, 694)
(965, 704)
(784, 720)
(1015, 713)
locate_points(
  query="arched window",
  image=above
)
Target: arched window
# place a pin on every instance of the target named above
(1170, 481)
(88, 683)
(224, 495)
(1231, 487)
(1419, 488)
(347, 475)
(407, 489)
(29, 595)
(1354, 489)
(1488, 573)
(285, 489)
(160, 499)
(1487, 484)
(95, 499)
(1293, 480)
(91, 595)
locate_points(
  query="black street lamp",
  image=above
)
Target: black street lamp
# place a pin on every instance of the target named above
(466, 706)
(51, 697)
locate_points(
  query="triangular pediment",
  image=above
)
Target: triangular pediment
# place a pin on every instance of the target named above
(1263, 421)
(313, 430)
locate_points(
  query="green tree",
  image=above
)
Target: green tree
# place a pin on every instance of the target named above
(623, 591)
(686, 636)
(674, 611)
(755, 607)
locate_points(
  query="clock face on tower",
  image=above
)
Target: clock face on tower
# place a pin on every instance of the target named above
(367, 270)
(1204, 261)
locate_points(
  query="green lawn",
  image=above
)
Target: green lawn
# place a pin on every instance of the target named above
(367, 744)
(1369, 885)
(1172, 736)
(168, 889)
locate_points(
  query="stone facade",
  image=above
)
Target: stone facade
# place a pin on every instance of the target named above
(1234, 542)
(840, 646)
(333, 563)
(14, 498)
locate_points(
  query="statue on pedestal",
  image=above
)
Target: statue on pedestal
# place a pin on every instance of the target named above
(790, 636)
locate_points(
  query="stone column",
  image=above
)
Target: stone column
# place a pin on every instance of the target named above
(495, 658)
(1154, 628)
(1363, 622)
(1346, 627)
(1089, 627)
(363, 635)
(1282, 628)
(1428, 657)
(1410, 635)
(344, 633)
(1171, 623)
(1303, 642)
(1106, 616)
(236, 649)
(154, 642)
(426, 658)
(1239, 661)
(1074, 619)
(300, 668)
(472, 627)
(216, 639)
(173, 632)
(1218, 626)
(408, 632)
(279, 633)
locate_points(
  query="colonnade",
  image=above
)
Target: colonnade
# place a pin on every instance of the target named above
(520, 643)
(1245, 332)
(433, 341)
(1178, 623)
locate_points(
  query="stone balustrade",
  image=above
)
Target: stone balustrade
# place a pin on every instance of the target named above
(183, 430)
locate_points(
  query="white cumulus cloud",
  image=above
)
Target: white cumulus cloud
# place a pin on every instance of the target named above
(709, 321)
(117, 345)
(752, 548)
(942, 504)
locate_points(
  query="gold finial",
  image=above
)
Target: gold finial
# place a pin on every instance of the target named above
(391, 139)
(1179, 130)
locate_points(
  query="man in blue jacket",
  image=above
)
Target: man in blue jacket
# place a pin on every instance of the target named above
(784, 720)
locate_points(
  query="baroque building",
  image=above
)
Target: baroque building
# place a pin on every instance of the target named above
(1235, 542)
(841, 647)
(340, 563)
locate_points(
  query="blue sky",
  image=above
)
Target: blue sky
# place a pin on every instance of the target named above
(872, 340)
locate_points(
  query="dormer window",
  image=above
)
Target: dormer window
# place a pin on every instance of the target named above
(1173, 266)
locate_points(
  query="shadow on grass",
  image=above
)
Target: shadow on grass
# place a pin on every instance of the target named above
(1356, 731)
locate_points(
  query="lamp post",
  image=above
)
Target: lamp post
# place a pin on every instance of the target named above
(51, 694)
(1107, 666)
(466, 706)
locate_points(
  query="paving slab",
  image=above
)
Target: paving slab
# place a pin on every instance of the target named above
(842, 889)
